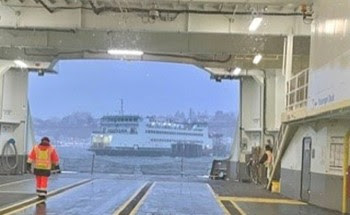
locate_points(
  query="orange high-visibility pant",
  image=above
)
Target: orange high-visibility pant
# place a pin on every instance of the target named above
(41, 185)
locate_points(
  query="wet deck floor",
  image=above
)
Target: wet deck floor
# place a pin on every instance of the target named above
(180, 198)
(250, 199)
(110, 195)
(20, 190)
(101, 196)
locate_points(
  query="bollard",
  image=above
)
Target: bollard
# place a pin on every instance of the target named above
(182, 167)
(92, 164)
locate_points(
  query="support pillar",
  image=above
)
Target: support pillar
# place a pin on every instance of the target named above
(14, 116)
(345, 173)
(288, 57)
(287, 70)
(233, 161)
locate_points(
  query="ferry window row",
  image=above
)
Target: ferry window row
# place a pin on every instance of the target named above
(122, 131)
(172, 140)
(120, 120)
(174, 133)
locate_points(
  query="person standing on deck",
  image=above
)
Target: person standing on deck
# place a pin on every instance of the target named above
(43, 156)
(267, 159)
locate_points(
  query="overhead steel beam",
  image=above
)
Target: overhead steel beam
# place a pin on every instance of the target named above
(13, 53)
(215, 50)
(152, 42)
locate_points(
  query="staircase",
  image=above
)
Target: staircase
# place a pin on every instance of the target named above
(285, 135)
(296, 99)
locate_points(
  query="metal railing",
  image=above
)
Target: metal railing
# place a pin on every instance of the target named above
(297, 91)
(124, 165)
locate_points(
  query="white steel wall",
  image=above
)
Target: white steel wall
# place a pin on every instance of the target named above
(14, 87)
(330, 54)
(292, 157)
(321, 134)
(253, 108)
(251, 104)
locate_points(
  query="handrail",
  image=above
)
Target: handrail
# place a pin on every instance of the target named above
(278, 153)
(277, 144)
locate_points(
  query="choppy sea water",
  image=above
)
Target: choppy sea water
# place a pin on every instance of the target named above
(82, 160)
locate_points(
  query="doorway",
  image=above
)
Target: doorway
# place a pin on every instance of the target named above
(306, 169)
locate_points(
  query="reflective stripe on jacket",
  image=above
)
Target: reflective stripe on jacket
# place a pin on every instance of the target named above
(43, 157)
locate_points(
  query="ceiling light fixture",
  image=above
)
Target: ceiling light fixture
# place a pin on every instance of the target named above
(255, 23)
(125, 52)
(257, 59)
(20, 63)
(237, 71)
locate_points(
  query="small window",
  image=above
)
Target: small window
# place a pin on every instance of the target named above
(336, 153)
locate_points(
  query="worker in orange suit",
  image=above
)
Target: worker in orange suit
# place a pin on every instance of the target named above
(43, 156)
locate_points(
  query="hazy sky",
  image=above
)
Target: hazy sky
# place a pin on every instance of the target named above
(147, 88)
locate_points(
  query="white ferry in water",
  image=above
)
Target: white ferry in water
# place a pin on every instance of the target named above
(137, 136)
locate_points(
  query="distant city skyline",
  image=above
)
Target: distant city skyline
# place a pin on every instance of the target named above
(153, 115)
(147, 88)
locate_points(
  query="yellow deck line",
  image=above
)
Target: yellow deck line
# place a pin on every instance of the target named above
(19, 203)
(218, 200)
(119, 209)
(240, 210)
(15, 182)
(262, 200)
(16, 192)
(36, 198)
(54, 192)
(25, 207)
(137, 207)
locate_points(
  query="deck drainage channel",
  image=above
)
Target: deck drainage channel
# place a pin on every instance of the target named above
(134, 202)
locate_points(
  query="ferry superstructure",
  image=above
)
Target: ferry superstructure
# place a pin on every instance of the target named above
(135, 135)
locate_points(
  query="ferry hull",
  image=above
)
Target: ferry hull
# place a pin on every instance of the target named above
(176, 150)
(129, 151)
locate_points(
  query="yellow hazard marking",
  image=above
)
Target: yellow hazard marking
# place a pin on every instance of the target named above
(240, 210)
(218, 200)
(263, 200)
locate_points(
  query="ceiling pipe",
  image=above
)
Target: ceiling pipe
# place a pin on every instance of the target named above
(45, 6)
(99, 10)
(58, 54)
(94, 8)
(264, 128)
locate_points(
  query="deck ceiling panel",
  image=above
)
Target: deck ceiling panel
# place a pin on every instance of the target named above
(157, 16)
(204, 32)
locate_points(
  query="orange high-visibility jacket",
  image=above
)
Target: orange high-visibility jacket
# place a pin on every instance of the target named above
(43, 157)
